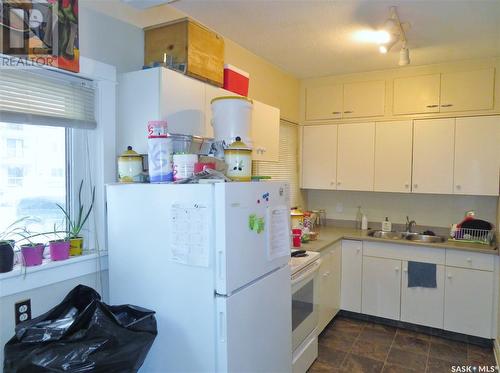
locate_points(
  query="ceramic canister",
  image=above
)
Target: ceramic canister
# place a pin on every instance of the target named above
(238, 158)
(130, 167)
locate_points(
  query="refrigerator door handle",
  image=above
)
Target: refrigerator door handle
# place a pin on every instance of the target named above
(222, 329)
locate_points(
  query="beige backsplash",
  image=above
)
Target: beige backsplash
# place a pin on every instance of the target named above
(426, 209)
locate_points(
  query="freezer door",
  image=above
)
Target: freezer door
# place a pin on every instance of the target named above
(254, 327)
(252, 225)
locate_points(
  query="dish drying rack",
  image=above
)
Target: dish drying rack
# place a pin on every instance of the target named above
(482, 236)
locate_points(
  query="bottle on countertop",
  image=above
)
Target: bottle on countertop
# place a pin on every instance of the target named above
(364, 222)
(359, 218)
(386, 225)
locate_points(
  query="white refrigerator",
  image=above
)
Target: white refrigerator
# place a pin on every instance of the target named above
(212, 261)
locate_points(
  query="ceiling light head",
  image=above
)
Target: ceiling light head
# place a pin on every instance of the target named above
(404, 56)
(372, 36)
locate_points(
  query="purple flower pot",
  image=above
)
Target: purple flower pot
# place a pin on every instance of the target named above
(59, 250)
(32, 254)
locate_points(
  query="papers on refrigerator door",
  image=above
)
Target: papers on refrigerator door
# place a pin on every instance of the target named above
(279, 232)
(190, 234)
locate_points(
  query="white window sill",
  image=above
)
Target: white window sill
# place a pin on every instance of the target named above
(50, 272)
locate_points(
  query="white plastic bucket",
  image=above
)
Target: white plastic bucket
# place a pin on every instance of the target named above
(232, 117)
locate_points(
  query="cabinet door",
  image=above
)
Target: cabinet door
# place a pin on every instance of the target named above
(393, 153)
(467, 90)
(423, 306)
(352, 263)
(468, 301)
(324, 102)
(265, 132)
(477, 155)
(364, 99)
(182, 103)
(381, 287)
(212, 92)
(319, 157)
(356, 152)
(433, 153)
(416, 94)
(329, 285)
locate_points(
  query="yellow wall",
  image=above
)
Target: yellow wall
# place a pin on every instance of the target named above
(268, 83)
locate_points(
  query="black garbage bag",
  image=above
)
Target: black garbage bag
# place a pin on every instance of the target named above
(82, 334)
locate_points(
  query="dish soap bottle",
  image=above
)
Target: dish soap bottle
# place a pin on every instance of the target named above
(386, 225)
(364, 222)
(359, 218)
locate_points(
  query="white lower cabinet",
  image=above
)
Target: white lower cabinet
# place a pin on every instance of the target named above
(329, 285)
(423, 306)
(468, 301)
(381, 293)
(352, 267)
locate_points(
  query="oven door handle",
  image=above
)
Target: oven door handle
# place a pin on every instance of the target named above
(309, 273)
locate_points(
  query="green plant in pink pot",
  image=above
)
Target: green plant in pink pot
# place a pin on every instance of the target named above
(76, 225)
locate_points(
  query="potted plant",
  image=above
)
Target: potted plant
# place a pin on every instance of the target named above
(59, 248)
(32, 254)
(7, 245)
(76, 225)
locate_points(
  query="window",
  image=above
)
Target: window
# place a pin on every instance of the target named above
(14, 148)
(32, 185)
(286, 169)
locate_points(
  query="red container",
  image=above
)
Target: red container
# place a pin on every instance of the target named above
(200, 166)
(296, 237)
(236, 80)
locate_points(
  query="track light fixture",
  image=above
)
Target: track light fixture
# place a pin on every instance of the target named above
(396, 29)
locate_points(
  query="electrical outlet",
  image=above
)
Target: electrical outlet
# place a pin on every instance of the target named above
(340, 207)
(23, 311)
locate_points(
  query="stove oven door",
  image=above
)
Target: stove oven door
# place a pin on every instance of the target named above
(304, 303)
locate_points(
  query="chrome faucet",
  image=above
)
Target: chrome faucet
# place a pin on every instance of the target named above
(410, 225)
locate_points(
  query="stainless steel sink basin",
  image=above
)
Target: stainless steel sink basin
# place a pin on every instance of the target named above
(416, 237)
(426, 238)
(387, 235)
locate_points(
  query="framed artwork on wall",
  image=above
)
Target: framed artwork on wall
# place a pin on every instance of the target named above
(41, 32)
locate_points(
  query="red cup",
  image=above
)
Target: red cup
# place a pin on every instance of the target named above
(296, 237)
(201, 166)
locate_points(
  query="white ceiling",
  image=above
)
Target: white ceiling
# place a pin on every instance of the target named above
(314, 38)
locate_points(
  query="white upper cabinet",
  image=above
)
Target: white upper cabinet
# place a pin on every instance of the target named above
(319, 157)
(467, 90)
(393, 155)
(182, 103)
(265, 132)
(477, 156)
(416, 94)
(324, 102)
(364, 99)
(433, 153)
(355, 163)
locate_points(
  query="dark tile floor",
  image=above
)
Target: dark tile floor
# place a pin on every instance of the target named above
(349, 345)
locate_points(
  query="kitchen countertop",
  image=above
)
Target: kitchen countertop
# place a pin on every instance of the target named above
(330, 235)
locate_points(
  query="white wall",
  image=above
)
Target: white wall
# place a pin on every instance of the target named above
(110, 40)
(426, 209)
(43, 299)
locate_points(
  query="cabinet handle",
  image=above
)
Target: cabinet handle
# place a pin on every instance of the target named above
(415, 186)
(447, 105)
(358, 251)
(469, 260)
(336, 112)
(432, 106)
(405, 270)
(332, 182)
(407, 186)
(458, 186)
(449, 276)
(396, 269)
(338, 183)
(348, 112)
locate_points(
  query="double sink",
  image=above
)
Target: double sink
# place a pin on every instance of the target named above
(410, 236)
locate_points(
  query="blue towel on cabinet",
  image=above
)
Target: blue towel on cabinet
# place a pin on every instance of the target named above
(421, 275)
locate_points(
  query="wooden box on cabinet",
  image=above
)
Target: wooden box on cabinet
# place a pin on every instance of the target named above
(187, 42)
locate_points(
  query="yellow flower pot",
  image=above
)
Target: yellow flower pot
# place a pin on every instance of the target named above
(76, 246)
